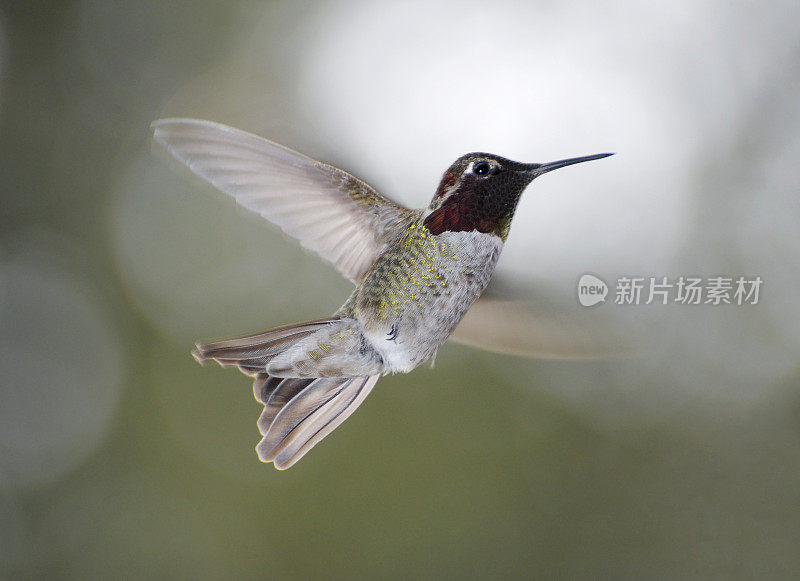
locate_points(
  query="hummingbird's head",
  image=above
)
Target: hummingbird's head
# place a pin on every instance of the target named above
(480, 192)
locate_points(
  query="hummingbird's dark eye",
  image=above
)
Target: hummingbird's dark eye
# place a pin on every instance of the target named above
(482, 168)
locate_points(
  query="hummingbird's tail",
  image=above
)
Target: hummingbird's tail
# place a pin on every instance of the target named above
(298, 411)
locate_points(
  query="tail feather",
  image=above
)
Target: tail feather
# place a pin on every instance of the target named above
(323, 422)
(298, 411)
(310, 416)
(264, 385)
(253, 352)
(317, 393)
(283, 393)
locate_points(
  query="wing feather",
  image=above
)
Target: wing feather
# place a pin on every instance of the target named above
(331, 212)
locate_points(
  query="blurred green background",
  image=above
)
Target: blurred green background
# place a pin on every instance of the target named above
(120, 457)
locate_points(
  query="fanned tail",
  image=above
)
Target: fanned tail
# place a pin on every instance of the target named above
(298, 412)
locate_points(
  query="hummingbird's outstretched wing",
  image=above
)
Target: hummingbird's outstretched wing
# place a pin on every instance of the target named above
(328, 210)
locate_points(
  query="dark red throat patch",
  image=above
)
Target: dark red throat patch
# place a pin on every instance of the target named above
(456, 217)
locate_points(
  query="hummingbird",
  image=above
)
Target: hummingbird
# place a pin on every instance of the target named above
(416, 272)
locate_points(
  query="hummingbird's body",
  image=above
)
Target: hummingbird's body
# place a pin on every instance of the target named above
(416, 272)
(401, 313)
(418, 290)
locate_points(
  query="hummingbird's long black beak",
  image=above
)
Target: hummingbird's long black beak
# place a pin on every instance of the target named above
(537, 169)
